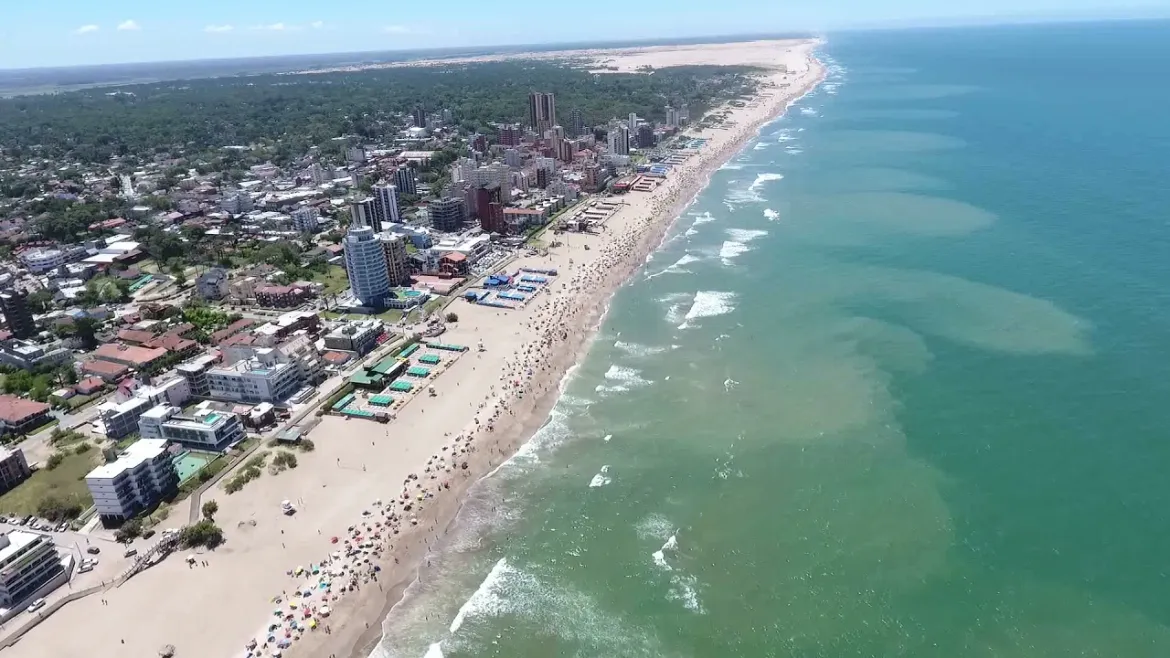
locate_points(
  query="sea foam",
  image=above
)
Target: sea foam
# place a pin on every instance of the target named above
(738, 244)
(621, 378)
(486, 598)
(764, 178)
(708, 304)
(639, 350)
(771, 215)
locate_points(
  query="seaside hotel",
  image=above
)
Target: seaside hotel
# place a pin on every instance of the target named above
(29, 567)
(139, 478)
(205, 430)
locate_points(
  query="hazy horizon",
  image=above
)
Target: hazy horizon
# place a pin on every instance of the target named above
(133, 42)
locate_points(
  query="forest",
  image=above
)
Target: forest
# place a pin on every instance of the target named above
(295, 112)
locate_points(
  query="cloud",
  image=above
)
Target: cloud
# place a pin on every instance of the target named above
(129, 26)
(317, 25)
(279, 27)
(86, 29)
(218, 28)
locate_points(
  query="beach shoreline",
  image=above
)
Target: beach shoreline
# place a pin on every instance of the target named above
(598, 305)
(488, 404)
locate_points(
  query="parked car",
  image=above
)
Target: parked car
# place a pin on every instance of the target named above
(130, 552)
(85, 568)
(93, 550)
(36, 605)
(62, 526)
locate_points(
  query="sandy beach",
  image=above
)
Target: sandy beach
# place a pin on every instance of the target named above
(362, 476)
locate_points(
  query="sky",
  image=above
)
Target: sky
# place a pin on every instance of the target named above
(78, 32)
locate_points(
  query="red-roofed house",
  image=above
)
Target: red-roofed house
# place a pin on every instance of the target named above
(335, 358)
(231, 330)
(453, 263)
(107, 370)
(280, 296)
(135, 336)
(129, 355)
(175, 345)
(89, 385)
(18, 415)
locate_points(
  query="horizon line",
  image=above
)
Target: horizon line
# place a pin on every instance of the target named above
(808, 33)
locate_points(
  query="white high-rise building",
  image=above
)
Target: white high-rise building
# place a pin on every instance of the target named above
(512, 158)
(386, 204)
(633, 122)
(365, 264)
(672, 118)
(363, 213)
(619, 140)
(305, 219)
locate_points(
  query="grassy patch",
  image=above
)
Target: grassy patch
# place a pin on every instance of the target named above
(333, 278)
(65, 482)
(78, 401)
(393, 315)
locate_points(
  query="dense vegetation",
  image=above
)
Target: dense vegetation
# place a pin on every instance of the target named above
(293, 112)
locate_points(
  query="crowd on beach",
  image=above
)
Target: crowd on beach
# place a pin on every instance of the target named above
(555, 329)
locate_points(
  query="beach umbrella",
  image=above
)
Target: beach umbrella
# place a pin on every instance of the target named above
(300, 570)
(324, 611)
(312, 623)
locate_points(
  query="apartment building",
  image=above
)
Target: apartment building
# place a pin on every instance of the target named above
(29, 564)
(254, 380)
(206, 430)
(138, 479)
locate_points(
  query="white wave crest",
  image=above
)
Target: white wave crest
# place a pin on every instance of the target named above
(486, 598)
(624, 378)
(707, 304)
(764, 178)
(636, 349)
(771, 215)
(738, 244)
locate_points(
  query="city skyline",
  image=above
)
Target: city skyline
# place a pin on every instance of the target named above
(140, 32)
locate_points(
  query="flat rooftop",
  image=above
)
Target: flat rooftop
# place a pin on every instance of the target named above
(139, 452)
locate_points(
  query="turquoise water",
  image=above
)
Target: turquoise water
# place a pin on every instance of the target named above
(893, 386)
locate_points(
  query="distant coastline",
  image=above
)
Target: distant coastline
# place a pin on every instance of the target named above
(54, 80)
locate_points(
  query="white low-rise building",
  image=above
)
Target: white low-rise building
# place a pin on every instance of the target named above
(39, 261)
(473, 248)
(121, 418)
(138, 479)
(253, 380)
(205, 430)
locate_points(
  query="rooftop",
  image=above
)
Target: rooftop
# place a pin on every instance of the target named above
(129, 353)
(139, 452)
(16, 540)
(14, 410)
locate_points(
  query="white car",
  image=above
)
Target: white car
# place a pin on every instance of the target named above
(36, 605)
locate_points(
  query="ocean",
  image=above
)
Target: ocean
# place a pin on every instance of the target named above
(894, 385)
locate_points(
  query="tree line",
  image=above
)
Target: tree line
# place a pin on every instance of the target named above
(295, 112)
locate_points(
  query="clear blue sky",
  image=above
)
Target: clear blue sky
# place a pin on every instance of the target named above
(70, 32)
